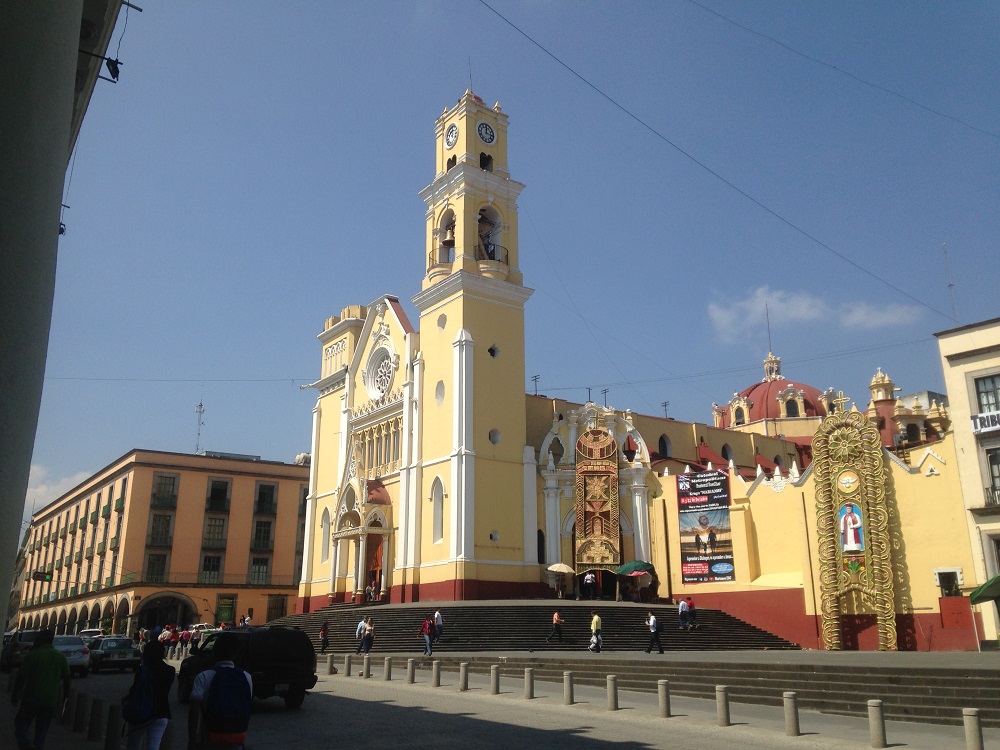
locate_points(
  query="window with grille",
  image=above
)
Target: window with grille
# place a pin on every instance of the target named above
(988, 393)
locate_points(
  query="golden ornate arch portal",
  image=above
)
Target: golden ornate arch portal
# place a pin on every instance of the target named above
(596, 498)
(855, 561)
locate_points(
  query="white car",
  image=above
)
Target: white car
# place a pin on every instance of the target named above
(92, 633)
(202, 627)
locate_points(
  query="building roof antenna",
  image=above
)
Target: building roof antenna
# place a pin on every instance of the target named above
(200, 411)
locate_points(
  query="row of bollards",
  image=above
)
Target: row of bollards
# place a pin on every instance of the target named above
(876, 718)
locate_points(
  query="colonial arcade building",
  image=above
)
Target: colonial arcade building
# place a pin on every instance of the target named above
(436, 478)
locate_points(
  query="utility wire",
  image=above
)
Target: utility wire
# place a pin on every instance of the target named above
(847, 73)
(787, 222)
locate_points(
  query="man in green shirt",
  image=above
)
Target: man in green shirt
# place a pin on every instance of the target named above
(37, 687)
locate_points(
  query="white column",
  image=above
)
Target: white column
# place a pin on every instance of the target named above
(411, 475)
(530, 500)
(334, 565)
(640, 512)
(386, 564)
(355, 567)
(310, 533)
(463, 455)
(361, 575)
(553, 535)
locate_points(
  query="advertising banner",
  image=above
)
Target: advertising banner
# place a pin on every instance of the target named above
(703, 521)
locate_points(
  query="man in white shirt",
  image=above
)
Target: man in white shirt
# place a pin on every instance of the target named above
(358, 632)
(438, 626)
(654, 633)
(225, 649)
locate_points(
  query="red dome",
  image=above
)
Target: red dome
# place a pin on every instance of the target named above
(772, 398)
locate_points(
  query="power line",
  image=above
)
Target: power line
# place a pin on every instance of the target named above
(847, 73)
(787, 222)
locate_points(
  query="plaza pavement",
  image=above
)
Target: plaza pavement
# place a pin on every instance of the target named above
(373, 713)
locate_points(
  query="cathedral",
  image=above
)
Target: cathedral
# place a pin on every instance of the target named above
(435, 477)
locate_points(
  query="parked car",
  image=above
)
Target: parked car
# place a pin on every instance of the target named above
(20, 643)
(280, 660)
(91, 633)
(76, 651)
(114, 651)
(202, 626)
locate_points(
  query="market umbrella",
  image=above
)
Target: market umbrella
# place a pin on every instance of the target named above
(562, 568)
(987, 592)
(635, 566)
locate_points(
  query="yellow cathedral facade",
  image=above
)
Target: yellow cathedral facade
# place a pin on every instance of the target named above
(435, 477)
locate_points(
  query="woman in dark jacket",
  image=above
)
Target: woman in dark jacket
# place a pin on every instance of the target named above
(161, 675)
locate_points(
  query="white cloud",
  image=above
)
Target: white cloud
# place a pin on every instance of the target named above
(736, 319)
(44, 488)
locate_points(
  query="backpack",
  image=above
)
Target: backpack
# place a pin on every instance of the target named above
(138, 705)
(228, 703)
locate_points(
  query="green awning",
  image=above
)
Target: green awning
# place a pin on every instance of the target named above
(636, 566)
(987, 592)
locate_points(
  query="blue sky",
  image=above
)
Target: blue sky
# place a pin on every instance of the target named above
(257, 168)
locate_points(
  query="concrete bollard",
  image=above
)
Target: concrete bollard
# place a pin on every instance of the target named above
(387, 669)
(529, 683)
(463, 676)
(95, 727)
(113, 732)
(70, 711)
(366, 671)
(411, 671)
(495, 679)
(435, 673)
(568, 689)
(791, 702)
(330, 669)
(347, 666)
(82, 712)
(876, 724)
(722, 705)
(612, 692)
(663, 693)
(973, 729)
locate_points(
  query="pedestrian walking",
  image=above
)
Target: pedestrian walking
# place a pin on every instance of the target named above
(654, 632)
(36, 686)
(146, 707)
(683, 619)
(557, 622)
(221, 699)
(427, 632)
(324, 634)
(359, 631)
(595, 632)
(368, 635)
(438, 626)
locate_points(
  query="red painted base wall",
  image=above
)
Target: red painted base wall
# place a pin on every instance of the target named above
(445, 591)
(782, 612)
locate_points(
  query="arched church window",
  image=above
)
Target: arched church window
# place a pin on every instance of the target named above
(486, 162)
(727, 452)
(791, 408)
(912, 433)
(664, 448)
(780, 461)
(541, 547)
(556, 449)
(739, 416)
(437, 501)
(451, 163)
(324, 554)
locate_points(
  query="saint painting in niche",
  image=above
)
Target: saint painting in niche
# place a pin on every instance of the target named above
(851, 529)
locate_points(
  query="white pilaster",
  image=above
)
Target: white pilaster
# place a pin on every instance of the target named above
(310, 535)
(361, 574)
(386, 564)
(334, 566)
(463, 455)
(640, 512)
(530, 500)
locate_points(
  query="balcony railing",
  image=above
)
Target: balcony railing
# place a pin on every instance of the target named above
(106, 511)
(93, 516)
(114, 543)
(109, 580)
(73, 590)
(62, 532)
(151, 577)
(160, 540)
(213, 542)
(259, 579)
(493, 252)
(266, 508)
(68, 560)
(163, 500)
(120, 503)
(83, 522)
(992, 497)
(84, 588)
(59, 564)
(217, 504)
(77, 557)
(209, 577)
(72, 527)
(48, 568)
(261, 545)
(100, 548)
(89, 552)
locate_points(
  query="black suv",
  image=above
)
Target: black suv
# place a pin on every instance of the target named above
(280, 660)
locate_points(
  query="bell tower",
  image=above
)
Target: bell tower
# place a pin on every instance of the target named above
(471, 368)
(472, 214)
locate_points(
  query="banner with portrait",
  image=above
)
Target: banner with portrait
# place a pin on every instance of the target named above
(703, 522)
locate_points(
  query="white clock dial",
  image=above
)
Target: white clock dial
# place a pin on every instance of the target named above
(451, 136)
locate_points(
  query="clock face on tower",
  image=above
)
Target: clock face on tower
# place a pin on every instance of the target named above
(486, 132)
(451, 136)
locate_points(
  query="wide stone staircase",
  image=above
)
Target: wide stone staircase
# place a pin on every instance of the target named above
(512, 634)
(500, 626)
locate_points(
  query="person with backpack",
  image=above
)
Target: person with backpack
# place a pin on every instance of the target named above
(146, 707)
(221, 699)
(427, 633)
(324, 637)
(36, 686)
(654, 632)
